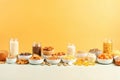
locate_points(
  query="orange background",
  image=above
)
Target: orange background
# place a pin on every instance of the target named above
(58, 22)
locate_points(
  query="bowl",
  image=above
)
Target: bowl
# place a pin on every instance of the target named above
(104, 61)
(46, 56)
(36, 62)
(69, 61)
(95, 51)
(11, 60)
(24, 56)
(54, 62)
(81, 54)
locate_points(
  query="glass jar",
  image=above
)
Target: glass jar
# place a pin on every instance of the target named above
(14, 47)
(36, 49)
(107, 46)
(71, 49)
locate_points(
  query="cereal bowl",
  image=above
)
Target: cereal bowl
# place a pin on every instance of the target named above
(53, 60)
(36, 59)
(69, 59)
(35, 62)
(11, 60)
(24, 56)
(104, 61)
(117, 60)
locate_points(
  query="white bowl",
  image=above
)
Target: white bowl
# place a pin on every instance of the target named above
(69, 61)
(24, 56)
(104, 61)
(54, 62)
(46, 56)
(81, 55)
(11, 61)
(35, 62)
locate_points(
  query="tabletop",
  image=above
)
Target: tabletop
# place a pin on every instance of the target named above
(38, 72)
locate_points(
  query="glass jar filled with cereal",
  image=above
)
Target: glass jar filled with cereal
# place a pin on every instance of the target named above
(107, 46)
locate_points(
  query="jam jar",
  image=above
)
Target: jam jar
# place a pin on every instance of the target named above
(36, 49)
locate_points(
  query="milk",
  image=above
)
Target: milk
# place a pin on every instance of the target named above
(71, 49)
(14, 47)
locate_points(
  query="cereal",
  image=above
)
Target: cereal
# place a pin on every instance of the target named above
(48, 50)
(107, 46)
(26, 54)
(69, 57)
(84, 62)
(35, 57)
(59, 54)
(53, 58)
(22, 61)
(105, 56)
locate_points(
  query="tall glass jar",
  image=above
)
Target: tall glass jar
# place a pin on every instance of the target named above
(107, 46)
(36, 49)
(71, 49)
(14, 47)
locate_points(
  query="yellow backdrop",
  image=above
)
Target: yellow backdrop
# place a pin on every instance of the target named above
(58, 22)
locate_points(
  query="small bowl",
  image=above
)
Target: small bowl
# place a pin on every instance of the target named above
(46, 56)
(69, 61)
(54, 62)
(36, 62)
(47, 53)
(24, 56)
(95, 51)
(104, 61)
(81, 55)
(11, 61)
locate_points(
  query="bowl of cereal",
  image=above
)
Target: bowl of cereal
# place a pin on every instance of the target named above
(24, 56)
(48, 50)
(11, 59)
(105, 58)
(36, 59)
(69, 59)
(59, 54)
(53, 60)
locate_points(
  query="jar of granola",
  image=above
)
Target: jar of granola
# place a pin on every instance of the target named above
(107, 46)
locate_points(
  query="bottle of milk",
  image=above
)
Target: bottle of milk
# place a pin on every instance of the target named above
(71, 49)
(14, 47)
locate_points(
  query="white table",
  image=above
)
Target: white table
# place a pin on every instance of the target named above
(37, 72)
